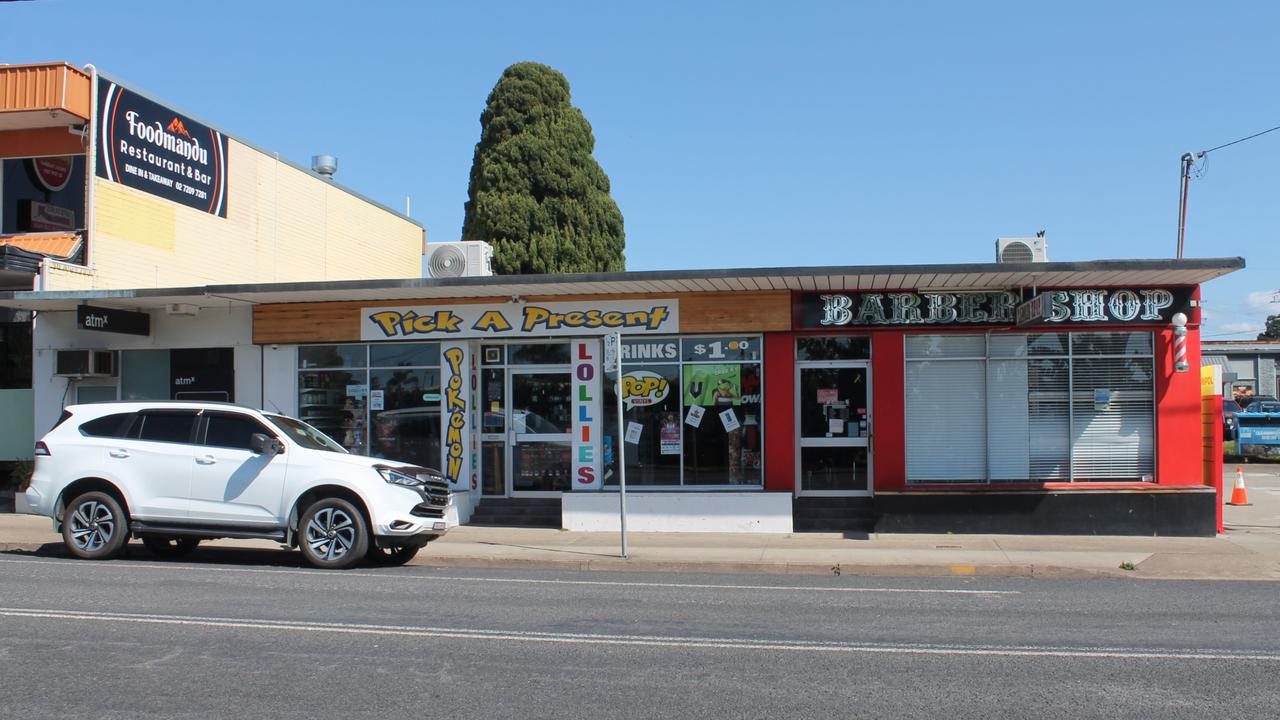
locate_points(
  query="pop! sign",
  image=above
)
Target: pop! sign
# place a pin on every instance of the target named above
(644, 387)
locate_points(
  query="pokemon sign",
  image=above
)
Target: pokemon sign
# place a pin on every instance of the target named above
(520, 320)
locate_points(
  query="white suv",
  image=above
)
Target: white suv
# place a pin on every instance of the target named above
(173, 473)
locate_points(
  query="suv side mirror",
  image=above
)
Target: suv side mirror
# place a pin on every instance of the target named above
(260, 444)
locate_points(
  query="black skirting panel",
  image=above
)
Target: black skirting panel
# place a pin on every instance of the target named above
(1189, 513)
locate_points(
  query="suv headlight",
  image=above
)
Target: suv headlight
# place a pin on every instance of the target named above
(395, 477)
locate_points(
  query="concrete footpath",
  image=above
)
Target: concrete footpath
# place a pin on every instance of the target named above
(1248, 550)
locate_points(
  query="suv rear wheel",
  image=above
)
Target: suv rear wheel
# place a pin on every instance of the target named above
(94, 526)
(333, 534)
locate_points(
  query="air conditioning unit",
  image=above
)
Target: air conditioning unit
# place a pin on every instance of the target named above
(463, 258)
(85, 363)
(1022, 250)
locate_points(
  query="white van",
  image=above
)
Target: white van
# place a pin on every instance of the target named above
(173, 473)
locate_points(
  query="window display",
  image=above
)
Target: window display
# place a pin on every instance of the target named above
(380, 400)
(692, 412)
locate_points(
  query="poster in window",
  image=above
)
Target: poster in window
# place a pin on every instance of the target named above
(713, 385)
(694, 417)
(669, 435)
(633, 432)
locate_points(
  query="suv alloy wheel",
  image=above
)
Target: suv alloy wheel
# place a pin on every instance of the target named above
(94, 526)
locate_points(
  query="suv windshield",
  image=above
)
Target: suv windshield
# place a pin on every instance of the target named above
(304, 434)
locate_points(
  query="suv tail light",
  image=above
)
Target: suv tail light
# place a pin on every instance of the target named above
(42, 449)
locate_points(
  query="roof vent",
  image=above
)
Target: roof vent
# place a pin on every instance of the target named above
(325, 165)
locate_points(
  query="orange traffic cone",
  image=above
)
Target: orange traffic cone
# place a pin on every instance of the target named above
(1238, 494)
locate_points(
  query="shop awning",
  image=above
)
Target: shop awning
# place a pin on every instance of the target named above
(954, 277)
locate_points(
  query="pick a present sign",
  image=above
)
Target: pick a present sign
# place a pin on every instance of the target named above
(514, 320)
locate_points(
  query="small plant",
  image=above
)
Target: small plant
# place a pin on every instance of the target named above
(19, 475)
(1126, 565)
(835, 569)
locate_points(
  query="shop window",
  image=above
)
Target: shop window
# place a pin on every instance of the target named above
(833, 348)
(15, 356)
(1003, 408)
(404, 415)
(387, 407)
(539, 354)
(404, 355)
(332, 356)
(651, 400)
(695, 420)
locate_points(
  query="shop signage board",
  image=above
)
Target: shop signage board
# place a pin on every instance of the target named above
(38, 216)
(149, 147)
(52, 173)
(587, 415)
(456, 366)
(516, 320)
(1075, 306)
(103, 319)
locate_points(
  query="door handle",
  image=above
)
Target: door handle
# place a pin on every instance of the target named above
(206, 460)
(118, 453)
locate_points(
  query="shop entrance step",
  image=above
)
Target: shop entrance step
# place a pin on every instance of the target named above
(518, 512)
(833, 514)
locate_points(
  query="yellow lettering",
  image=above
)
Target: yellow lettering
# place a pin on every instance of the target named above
(534, 316)
(386, 321)
(492, 320)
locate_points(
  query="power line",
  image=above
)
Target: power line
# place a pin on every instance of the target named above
(1189, 161)
(1233, 142)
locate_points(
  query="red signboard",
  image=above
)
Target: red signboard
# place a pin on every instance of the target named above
(52, 172)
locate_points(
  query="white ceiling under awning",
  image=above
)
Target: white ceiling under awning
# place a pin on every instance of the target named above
(975, 277)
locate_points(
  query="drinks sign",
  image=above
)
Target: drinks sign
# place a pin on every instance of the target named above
(150, 147)
(1051, 307)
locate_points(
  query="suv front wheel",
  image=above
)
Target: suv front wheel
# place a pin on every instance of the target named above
(333, 534)
(94, 526)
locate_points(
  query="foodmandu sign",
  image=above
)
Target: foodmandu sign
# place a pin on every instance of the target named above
(515, 320)
(149, 147)
(1077, 306)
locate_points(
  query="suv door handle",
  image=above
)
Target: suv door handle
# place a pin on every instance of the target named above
(118, 453)
(206, 460)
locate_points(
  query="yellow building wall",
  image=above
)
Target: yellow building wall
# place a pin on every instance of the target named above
(282, 225)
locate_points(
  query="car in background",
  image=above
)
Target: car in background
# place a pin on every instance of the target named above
(175, 473)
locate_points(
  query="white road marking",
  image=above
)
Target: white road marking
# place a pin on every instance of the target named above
(645, 640)
(530, 581)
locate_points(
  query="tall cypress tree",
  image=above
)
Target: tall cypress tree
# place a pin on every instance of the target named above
(536, 193)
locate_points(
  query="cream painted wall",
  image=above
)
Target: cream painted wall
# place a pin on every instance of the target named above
(282, 225)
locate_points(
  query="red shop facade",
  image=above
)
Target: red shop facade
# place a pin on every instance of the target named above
(1060, 410)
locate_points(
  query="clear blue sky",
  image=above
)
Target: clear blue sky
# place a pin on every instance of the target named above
(762, 133)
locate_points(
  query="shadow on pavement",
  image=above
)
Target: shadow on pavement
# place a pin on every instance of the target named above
(135, 552)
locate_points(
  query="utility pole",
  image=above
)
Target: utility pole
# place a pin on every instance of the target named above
(1189, 161)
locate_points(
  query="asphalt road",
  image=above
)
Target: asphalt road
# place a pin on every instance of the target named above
(258, 638)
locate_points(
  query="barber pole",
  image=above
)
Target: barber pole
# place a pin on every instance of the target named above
(1180, 343)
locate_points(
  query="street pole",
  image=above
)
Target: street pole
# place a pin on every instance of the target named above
(622, 449)
(1188, 160)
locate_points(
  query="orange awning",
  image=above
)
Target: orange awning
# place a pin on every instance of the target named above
(54, 244)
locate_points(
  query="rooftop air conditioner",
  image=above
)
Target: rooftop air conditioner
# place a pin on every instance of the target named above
(84, 363)
(1022, 250)
(463, 258)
